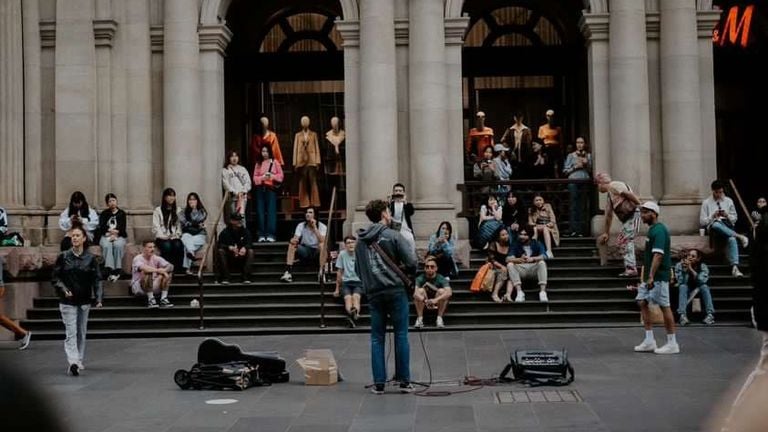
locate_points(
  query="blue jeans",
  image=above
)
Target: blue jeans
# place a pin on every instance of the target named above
(266, 212)
(706, 296)
(732, 249)
(578, 194)
(396, 307)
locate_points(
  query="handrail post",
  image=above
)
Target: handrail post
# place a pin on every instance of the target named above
(323, 259)
(743, 206)
(211, 241)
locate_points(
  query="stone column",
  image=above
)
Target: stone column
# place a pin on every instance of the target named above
(48, 110)
(454, 105)
(350, 34)
(681, 112)
(652, 31)
(75, 100)
(378, 101)
(11, 105)
(427, 104)
(181, 97)
(118, 110)
(404, 174)
(33, 120)
(104, 28)
(213, 44)
(707, 19)
(629, 106)
(139, 105)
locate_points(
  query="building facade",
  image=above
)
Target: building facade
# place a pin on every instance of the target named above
(131, 96)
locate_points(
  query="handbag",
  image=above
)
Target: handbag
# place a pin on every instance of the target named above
(625, 210)
(477, 281)
(489, 280)
(275, 185)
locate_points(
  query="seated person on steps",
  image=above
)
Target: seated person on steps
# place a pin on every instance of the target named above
(347, 281)
(718, 216)
(151, 273)
(235, 246)
(432, 291)
(526, 261)
(690, 274)
(305, 244)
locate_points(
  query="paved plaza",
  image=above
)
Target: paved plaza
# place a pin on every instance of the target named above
(128, 384)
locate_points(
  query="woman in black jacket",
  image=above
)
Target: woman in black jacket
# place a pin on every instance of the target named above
(112, 224)
(76, 278)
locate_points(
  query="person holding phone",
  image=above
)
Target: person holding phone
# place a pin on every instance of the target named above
(305, 244)
(718, 216)
(441, 246)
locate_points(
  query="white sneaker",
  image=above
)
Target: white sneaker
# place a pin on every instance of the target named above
(113, 278)
(262, 239)
(735, 272)
(286, 277)
(419, 322)
(543, 297)
(646, 346)
(440, 323)
(744, 241)
(24, 342)
(270, 239)
(550, 255)
(668, 348)
(520, 297)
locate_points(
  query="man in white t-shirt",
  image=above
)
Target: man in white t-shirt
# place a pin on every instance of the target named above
(305, 244)
(151, 273)
(401, 211)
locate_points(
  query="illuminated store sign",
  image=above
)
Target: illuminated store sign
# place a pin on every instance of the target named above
(734, 28)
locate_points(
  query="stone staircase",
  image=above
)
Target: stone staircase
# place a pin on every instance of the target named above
(582, 294)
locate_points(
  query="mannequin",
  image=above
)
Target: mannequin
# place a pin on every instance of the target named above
(550, 136)
(478, 139)
(306, 162)
(335, 159)
(266, 137)
(518, 138)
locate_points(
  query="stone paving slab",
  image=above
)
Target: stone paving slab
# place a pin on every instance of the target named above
(128, 384)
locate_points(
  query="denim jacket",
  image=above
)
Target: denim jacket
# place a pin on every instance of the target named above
(681, 276)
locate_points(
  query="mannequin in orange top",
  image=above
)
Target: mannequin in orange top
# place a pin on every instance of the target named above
(266, 137)
(478, 139)
(551, 136)
(306, 162)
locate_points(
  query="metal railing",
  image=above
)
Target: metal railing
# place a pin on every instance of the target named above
(211, 241)
(743, 207)
(323, 259)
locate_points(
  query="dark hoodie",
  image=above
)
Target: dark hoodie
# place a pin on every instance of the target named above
(377, 278)
(759, 268)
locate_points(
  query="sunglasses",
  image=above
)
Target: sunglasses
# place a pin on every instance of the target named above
(430, 266)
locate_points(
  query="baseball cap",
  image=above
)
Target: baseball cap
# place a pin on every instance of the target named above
(652, 206)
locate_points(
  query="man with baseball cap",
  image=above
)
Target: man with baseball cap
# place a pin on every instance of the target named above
(655, 286)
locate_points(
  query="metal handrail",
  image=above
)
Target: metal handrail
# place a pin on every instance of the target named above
(743, 206)
(324, 258)
(211, 241)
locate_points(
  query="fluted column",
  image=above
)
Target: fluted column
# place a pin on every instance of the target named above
(139, 104)
(75, 94)
(33, 120)
(378, 102)
(350, 34)
(181, 97)
(213, 43)
(427, 103)
(681, 112)
(707, 19)
(629, 104)
(104, 29)
(11, 105)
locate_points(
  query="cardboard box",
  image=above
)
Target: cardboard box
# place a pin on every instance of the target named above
(319, 367)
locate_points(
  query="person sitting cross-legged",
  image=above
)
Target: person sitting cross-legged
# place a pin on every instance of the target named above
(348, 283)
(151, 273)
(305, 244)
(718, 216)
(432, 291)
(526, 260)
(235, 247)
(692, 274)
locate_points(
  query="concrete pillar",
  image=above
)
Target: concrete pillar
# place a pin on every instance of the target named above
(594, 27)
(138, 104)
(681, 112)
(378, 101)
(427, 104)
(75, 100)
(629, 106)
(48, 109)
(118, 111)
(404, 174)
(11, 105)
(707, 19)
(652, 31)
(213, 43)
(33, 150)
(158, 147)
(350, 34)
(104, 29)
(181, 98)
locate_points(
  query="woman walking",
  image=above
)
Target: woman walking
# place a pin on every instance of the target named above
(76, 278)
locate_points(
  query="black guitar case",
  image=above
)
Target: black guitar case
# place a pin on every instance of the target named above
(270, 365)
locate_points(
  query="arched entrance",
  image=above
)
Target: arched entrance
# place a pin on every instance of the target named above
(525, 56)
(285, 61)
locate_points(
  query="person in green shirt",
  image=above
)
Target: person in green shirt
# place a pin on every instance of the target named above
(432, 291)
(655, 286)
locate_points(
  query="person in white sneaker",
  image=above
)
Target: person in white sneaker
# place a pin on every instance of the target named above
(348, 285)
(151, 273)
(23, 336)
(432, 291)
(526, 261)
(305, 244)
(542, 217)
(655, 289)
(718, 216)
(692, 274)
(622, 203)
